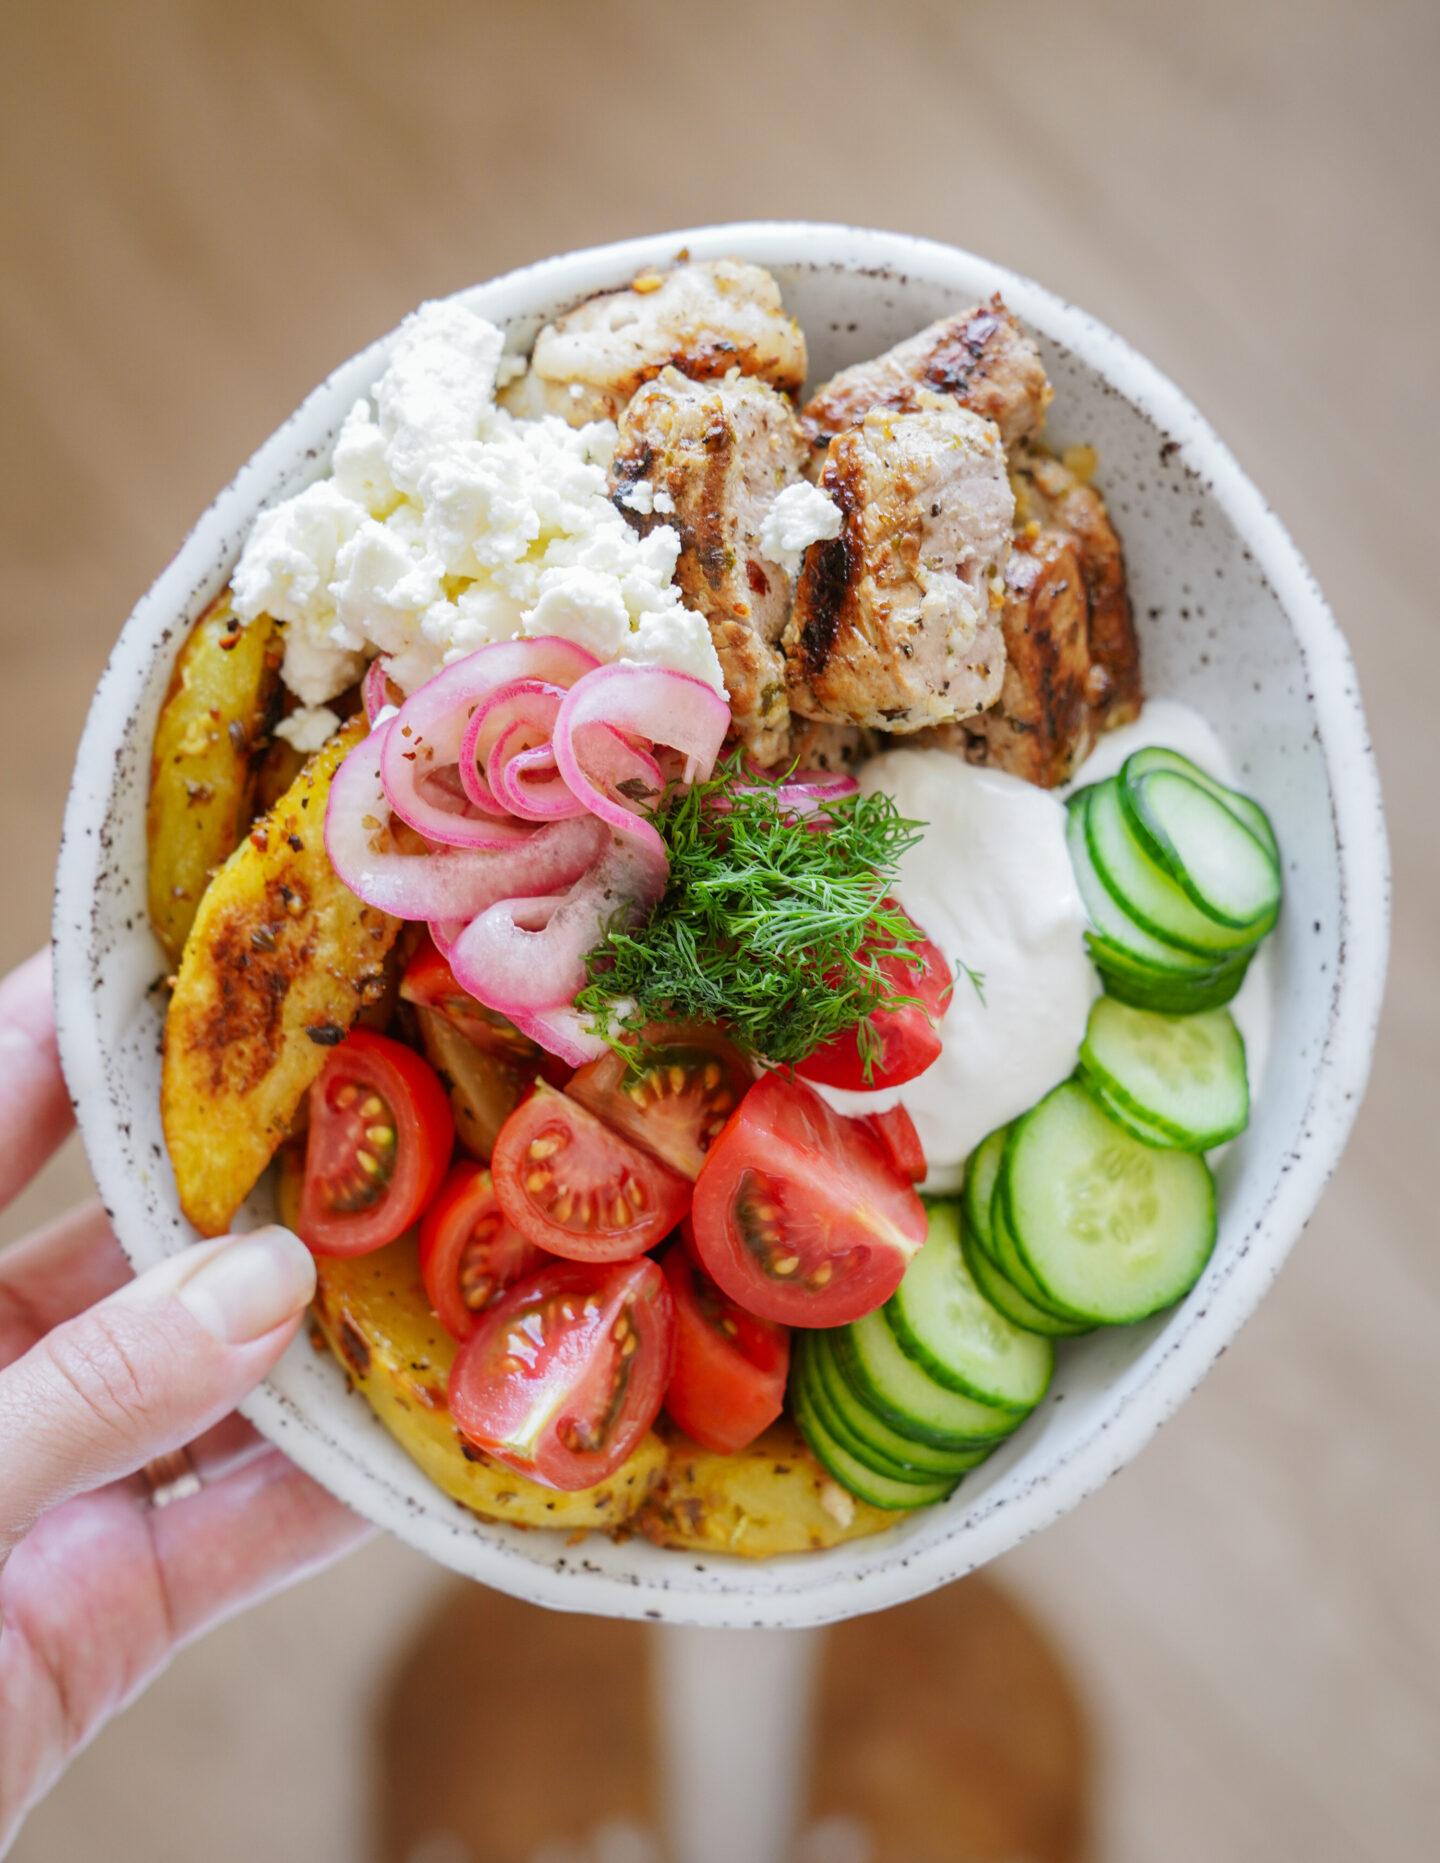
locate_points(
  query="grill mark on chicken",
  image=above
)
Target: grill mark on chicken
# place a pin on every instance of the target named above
(825, 579)
(981, 357)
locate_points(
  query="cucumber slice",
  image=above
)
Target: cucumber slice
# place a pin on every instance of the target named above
(807, 1387)
(1009, 1300)
(1246, 811)
(1205, 849)
(1012, 1265)
(1114, 926)
(895, 1388)
(1181, 1076)
(879, 1490)
(867, 1437)
(1109, 1228)
(950, 1329)
(1170, 995)
(1145, 891)
(982, 1167)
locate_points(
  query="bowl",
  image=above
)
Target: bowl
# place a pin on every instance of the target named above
(1230, 620)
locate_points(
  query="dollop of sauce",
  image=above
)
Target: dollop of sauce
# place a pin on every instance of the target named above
(990, 883)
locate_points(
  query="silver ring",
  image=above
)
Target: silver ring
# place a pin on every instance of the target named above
(170, 1477)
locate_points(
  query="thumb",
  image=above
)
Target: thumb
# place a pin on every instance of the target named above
(143, 1371)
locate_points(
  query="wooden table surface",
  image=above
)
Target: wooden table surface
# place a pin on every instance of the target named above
(203, 207)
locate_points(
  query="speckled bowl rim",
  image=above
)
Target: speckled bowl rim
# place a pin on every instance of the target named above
(861, 1575)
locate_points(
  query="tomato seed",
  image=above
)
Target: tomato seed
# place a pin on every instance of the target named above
(546, 1145)
(346, 1095)
(383, 1136)
(368, 1163)
(373, 1107)
(785, 1264)
(537, 1180)
(562, 1206)
(619, 1212)
(635, 1191)
(712, 1076)
(822, 1274)
(677, 1080)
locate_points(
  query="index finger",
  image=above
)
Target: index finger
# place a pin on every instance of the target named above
(35, 1113)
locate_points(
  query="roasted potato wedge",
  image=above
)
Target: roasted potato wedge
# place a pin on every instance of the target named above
(208, 744)
(281, 959)
(374, 1314)
(771, 1498)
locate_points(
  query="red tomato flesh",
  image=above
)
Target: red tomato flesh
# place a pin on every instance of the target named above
(576, 1188)
(901, 1142)
(904, 1041)
(430, 982)
(381, 1134)
(675, 1105)
(728, 1381)
(565, 1373)
(799, 1215)
(469, 1254)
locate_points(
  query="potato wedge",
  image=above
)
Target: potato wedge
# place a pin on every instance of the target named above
(771, 1498)
(281, 959)
(377, 1320)
(208, 742)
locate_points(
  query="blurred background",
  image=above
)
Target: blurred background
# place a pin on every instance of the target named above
(204, 207)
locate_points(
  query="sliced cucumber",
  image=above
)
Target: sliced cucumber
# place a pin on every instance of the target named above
(1142, 762)
(1008, 1299)
(879, 1490)
(982, 1167)
(1142, 887)
(1209, 853)
(1131, 1122)
(947, 1326)
(869, 1438)
(1180, 1076)
(895, 1388)
(1109, 1227)
(1166, 993)
(1013, 1266)
(1119, 931)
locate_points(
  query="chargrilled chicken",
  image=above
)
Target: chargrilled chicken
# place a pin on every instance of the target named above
(982, 357)
(1055, 494)
(710, 459)
(838, 748)
(897, 621)
(702, 319)
(1042, 724)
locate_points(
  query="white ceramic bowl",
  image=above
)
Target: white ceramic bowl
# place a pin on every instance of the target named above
(1230, 620)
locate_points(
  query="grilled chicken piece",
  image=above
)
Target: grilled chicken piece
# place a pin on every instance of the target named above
(702, 319)
(710, 458)
(1056, 495)
(1042, 725)
(982, 357)
(897, 621)
(838, 748)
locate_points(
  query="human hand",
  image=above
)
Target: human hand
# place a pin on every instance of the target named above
(102, 1373)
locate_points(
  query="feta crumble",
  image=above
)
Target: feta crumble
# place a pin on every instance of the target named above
(447, 523)
(801, 515)
(308, 728)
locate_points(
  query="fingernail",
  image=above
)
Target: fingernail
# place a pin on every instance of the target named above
(254, 1284)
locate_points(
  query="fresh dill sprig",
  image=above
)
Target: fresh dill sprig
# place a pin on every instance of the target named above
(777, 927)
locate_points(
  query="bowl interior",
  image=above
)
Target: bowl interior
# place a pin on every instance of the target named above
(1229, 621)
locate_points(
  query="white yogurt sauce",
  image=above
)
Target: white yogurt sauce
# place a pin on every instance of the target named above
(992, 886)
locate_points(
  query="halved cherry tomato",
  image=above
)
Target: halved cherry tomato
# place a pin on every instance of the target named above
(430, 983)
(469, 1254)
(799, 1215)
(904, 1041)
(901, 1142)
(565, 1373)
(728, 1381)
(380, 1140)
(675, 1104)
(578, 1189)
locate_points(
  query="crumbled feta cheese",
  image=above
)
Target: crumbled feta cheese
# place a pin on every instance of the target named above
(839, 1504)
(641, 498)
(663, 501)
(800, 516)
(308, 728)
(449, 524)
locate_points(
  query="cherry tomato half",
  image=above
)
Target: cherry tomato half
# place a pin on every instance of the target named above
(380, 1140)
(900, 1142)
(799, 1215)
(675, 1105)
(906, 1040)
(430, 983)
(578, 1189)
(469, 1254)
(728, 1380)
(565, 1373)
